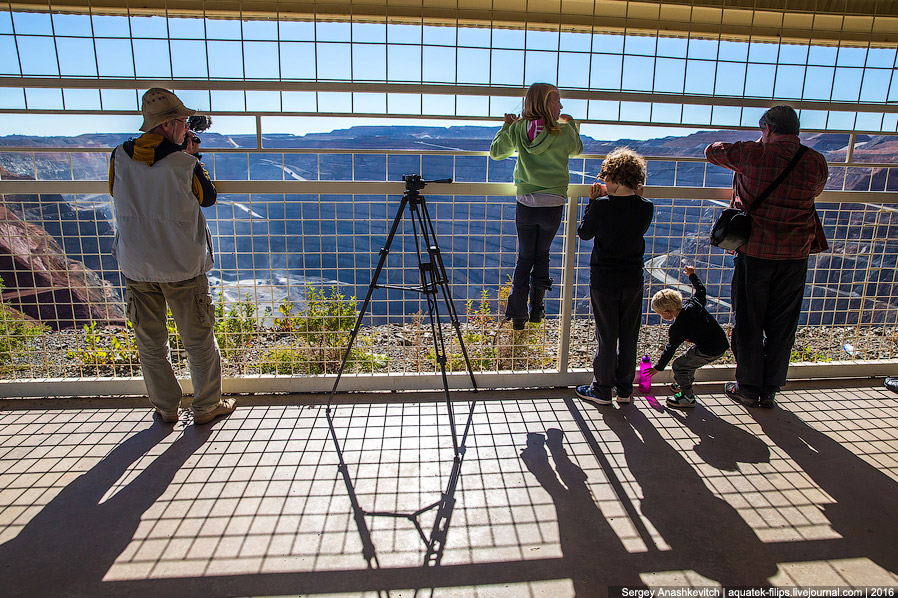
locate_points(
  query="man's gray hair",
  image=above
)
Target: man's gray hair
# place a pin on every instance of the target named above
(781, 120)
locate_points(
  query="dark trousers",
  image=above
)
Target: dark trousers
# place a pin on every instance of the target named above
(617, 313)
(536, 229)
(766, 296)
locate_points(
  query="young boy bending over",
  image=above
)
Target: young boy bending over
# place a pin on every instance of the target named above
(691, 322)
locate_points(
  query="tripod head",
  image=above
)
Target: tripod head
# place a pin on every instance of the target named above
(414, 183)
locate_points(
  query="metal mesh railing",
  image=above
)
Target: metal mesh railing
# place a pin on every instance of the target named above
(293, 266)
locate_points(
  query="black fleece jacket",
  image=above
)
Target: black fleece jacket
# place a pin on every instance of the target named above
(618, 224)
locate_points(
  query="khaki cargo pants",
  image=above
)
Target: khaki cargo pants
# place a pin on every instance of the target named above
(191, 306)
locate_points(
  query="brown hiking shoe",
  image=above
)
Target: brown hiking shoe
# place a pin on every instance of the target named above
(168, 418)
(224, 407)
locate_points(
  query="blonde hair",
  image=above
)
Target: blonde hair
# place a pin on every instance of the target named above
(624, 167)
(536, 106)
(667, 300)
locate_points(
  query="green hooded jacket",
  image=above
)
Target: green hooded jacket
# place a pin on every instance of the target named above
(542, 163)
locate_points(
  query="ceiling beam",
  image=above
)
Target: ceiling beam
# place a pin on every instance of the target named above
(829, 22)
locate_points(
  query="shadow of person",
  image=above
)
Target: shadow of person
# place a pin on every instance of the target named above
(70, 545)
(593, 552)
(721, 444)
(865, 513)
(705, 533)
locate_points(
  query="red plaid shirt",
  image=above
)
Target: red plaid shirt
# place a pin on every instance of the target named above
(785, 226)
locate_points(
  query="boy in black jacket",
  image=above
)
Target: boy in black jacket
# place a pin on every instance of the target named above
(691, 322)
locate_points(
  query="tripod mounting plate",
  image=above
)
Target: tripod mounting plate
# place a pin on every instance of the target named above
(414, 182)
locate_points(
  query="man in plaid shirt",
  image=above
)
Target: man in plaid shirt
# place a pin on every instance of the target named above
(771, 268)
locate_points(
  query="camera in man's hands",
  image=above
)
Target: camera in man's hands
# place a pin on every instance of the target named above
(197, 123)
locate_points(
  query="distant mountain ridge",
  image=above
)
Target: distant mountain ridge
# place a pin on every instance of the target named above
(873, 149)
(469, 137)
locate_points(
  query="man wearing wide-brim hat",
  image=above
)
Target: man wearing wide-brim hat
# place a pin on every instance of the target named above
(164, 250)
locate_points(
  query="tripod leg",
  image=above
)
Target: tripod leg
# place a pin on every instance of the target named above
(429, 283)
(384, 252)
(439, 344)
(436, 257)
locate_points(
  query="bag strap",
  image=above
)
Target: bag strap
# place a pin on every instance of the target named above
(801, 150)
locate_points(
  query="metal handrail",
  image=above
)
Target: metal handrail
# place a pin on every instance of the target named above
(396, 188)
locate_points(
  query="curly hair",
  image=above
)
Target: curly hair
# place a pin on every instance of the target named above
(667, 300)
(536, 106)
(624, 167)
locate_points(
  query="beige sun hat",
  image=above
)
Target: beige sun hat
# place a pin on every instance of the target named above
(160, 105)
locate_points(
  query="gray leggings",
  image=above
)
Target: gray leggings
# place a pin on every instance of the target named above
(685, 365)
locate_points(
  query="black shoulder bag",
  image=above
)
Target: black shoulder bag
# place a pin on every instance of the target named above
(733, 227)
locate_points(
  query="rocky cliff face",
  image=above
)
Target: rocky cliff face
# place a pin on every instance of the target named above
(47, 286)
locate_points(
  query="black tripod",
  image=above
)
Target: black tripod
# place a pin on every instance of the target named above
(433, 281)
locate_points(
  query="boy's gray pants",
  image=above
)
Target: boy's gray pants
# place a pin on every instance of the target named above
(191, 306)
(685, 365)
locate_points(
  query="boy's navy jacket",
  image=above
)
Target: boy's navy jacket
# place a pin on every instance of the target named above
(694, 324)
(618, 223)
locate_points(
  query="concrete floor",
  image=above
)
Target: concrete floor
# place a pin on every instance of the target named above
(553, 497)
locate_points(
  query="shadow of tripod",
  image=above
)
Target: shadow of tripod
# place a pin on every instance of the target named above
(433, 285)
(445, 506)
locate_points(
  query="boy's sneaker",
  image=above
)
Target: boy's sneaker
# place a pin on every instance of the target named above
(767, 401)
(674, 388)
(586, 393)
(681, 401)
(623, 398)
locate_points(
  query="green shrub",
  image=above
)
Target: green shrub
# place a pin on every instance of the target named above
(109, 347)
(308, 360)
(15, 330)
(321, 332)
(327, 314)
(174, 339)
(489, 340)
(285, 323)
(236, 326)
(806, 354)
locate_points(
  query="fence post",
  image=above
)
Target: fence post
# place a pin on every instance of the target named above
(568, 276)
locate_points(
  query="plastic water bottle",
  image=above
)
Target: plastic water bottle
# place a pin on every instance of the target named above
(645, 381)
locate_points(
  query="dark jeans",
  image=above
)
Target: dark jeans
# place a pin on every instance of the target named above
(617, 313)
(766, 296)
(536, 229)
(685, 365)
